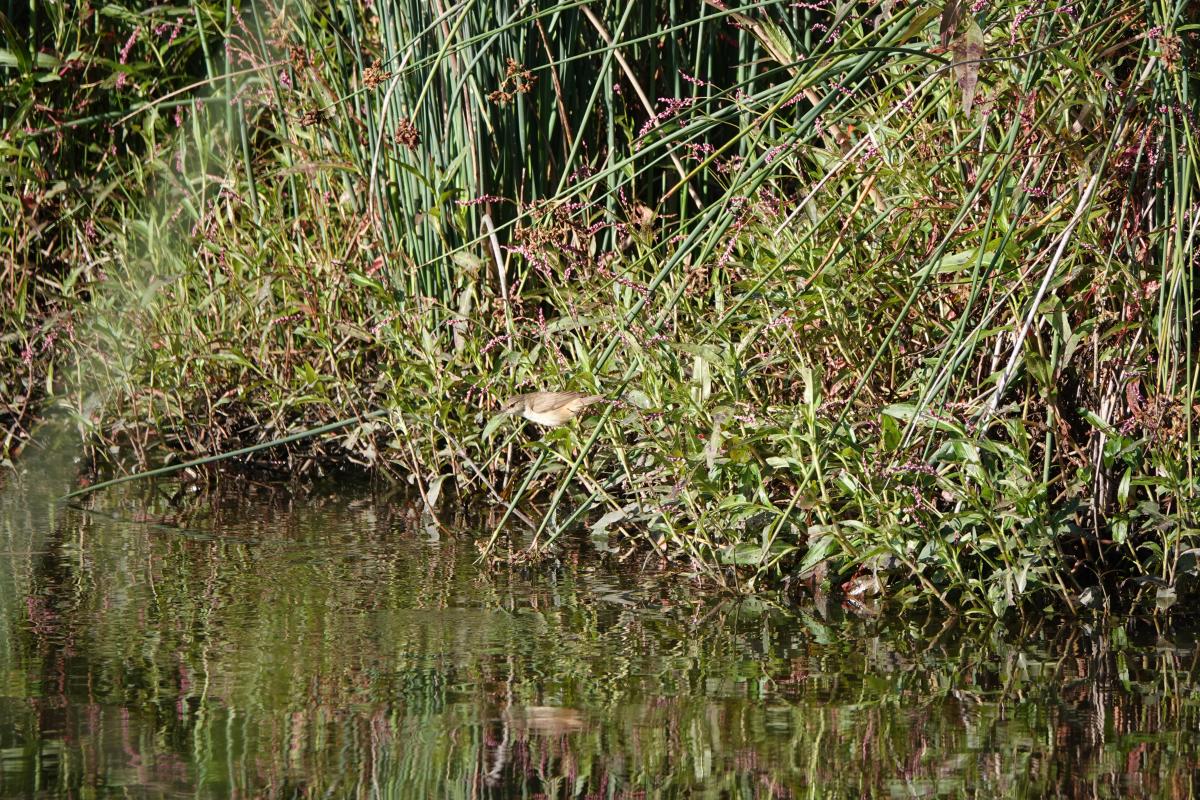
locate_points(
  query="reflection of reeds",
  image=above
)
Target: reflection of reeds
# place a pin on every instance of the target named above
(316, 641)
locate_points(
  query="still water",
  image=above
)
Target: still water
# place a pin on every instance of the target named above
(255, 642)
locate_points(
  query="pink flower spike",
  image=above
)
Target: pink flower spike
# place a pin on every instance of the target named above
(128, 46)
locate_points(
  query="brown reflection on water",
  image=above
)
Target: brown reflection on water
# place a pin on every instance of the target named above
(253, 643)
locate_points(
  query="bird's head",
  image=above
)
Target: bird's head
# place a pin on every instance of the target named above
(513, 405)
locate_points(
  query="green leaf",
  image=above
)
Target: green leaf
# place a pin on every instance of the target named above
(416, 173)
(890, 433)
(706, 353)
(908, 413)
(18, 51)
(638, 399)
(747, 553)
(818, 551)
(600, 528)
(918, 24)
(1097, 423)
(494, 422)
(956, 261)
(359, 279)
(15, 58)
(1123, 487)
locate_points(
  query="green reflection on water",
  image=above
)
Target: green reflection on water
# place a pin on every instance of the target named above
(249, 644)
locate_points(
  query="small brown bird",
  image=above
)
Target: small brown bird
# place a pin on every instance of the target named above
(549, 408)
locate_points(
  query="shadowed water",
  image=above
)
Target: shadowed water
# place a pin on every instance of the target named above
(250, 643)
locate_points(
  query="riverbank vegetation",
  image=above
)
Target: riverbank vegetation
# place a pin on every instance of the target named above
(894, 299)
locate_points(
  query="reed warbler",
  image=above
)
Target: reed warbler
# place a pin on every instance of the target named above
(549, 408)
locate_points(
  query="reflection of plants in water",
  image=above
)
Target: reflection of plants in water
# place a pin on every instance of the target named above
(261, 645)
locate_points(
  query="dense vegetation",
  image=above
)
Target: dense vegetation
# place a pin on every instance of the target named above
(891, 297)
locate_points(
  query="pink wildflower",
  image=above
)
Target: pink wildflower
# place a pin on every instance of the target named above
(483, 198)
(128, 46)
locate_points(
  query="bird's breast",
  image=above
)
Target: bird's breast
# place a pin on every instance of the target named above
(555, 416)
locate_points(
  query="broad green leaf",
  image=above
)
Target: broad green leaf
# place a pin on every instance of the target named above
(1097, 423)
(706, 353)
(494, 422)
(18, 53)
(748, 553)
(600, 528)
(918, 24)
(908, 413)
(818, 551)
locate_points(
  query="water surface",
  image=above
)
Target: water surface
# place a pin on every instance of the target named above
(255, 642)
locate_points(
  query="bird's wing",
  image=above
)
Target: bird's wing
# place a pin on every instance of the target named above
(548, 401)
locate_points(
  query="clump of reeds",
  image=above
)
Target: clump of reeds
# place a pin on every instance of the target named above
(896, 301)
